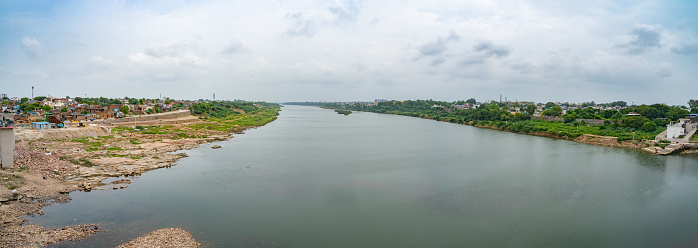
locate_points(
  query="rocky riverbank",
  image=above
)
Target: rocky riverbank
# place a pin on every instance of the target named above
(48, 169)
(166, 237)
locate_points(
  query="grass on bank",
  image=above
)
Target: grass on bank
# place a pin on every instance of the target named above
(233, 122)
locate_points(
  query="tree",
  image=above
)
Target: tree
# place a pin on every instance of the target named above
(39, 98)
(168, 101)
(549, 105)
(642, 109)
(124, 109)
(115, 101)
(648, 127)
(84, 112)
(531, 109)
(132, 101)
(64, 110)
(621, 104)
(554, 111)
(694, 106)
(23, 100)
(471, 101)
(46, 107)
(140, 101)
(635, 121)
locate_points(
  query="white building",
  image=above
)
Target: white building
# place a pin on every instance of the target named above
(674, 130)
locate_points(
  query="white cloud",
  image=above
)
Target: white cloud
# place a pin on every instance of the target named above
(40, 73)
(33, 48)
(346, 10)
(301, 25)
(237, 45)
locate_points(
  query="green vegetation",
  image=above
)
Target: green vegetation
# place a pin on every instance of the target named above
(222, 109)
(220, 116)
(121, 129)
(343, 112)
(11, 181)
(651, 121)
(82, 161)
(91, 145)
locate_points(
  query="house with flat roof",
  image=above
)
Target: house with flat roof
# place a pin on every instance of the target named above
(41, 125)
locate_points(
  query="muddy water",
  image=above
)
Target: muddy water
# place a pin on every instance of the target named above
(314, 178)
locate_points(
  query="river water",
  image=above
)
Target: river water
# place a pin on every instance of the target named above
(314, 178)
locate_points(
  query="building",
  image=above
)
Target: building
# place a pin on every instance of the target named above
(41, 125)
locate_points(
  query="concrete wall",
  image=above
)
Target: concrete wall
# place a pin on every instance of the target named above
(546, 118)
(7, 147)
(674, 131)
(591, 121)
(161, 116)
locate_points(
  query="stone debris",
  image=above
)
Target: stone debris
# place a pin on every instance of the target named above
(35, 159)
(166, 237)
(216, 147)
(33, 235)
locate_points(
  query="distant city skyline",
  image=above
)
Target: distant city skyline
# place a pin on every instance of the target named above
(279, 51)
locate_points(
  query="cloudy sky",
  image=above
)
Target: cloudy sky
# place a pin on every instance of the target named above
(277, 50)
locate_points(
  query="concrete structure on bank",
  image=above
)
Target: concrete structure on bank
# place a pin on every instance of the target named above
(674, 130)
(7, 147)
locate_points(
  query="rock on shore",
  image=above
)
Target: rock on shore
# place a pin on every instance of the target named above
(166, 237)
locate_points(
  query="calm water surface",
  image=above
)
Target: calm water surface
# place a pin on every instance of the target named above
(314, 178)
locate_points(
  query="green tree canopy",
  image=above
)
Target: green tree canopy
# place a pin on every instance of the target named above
(124, 109)
(648, 127)
(554, 111)
(530, 109)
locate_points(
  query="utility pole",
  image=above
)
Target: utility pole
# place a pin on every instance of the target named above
(214, 97)
(32, 92)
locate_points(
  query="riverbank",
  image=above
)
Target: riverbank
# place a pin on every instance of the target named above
(48, 169)
(581, 133)
(584, 138)
(648, 146)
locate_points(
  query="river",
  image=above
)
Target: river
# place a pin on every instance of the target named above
(314, 178)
